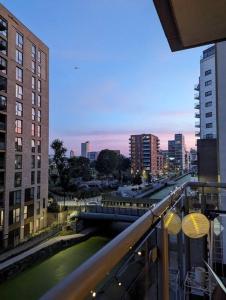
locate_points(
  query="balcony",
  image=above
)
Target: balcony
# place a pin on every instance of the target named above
(3, 65)
(197, 124)
(197, 106)
(197, 133)
(3, 45)
(197, 87)
(3, 84)
(197, 96)
(2, 122)
(136, 264)
(197, 115)
(2, 142)
(2, 161)
(3, 103)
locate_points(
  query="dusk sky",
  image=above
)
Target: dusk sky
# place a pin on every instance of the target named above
(128, 80)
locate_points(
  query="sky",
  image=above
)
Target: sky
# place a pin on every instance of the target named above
(128, 80)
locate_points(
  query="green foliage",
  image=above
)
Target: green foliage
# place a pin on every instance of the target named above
(79, 167)
(137, 179)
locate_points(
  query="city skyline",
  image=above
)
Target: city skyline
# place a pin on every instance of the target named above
(134, 83)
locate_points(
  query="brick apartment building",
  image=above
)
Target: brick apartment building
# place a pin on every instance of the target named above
(24, 122)
(144, 149)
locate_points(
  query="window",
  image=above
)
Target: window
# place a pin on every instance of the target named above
(39, 86)
(3, 103)
(16, 215)
(38, 192)
(32, 145)
(39, 115)
(33, 129)
(39, 161)
(38, 208)
(33, 161)
(17, 197)
(209, 114)
(25, 212)
(18, 144)
(209, 93)
(39, 131)
(18, 179)
(208, 104)
(209, 125)
(18, 128)
(33, 114)
(209, 82)
(19, 91)
(3, 47)
(3, 65)
(33, 98)
(33, 177)
(19, 109)
(208, 72)
(19, 74)
(33, 83)
(209, 136)
(32, 193)
(39, 101)
(18, 161)
(14, 198)
(39, 71)
(3, 22)
(39, 56)
(38, 177)
(19, 40)
(19, 57)
(44, 203)
(3, 84)
(33, 51)
(33, 67)
(39, 146)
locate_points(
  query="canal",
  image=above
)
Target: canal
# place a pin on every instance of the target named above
(165, 191)
(32, 283)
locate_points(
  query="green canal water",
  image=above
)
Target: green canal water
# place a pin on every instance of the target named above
(165, 191)
(35, 281)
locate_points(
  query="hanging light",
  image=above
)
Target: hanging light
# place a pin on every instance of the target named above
(195, 225)
(172, 223)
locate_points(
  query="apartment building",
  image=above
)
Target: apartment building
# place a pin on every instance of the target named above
(177, 152)
(205, 96)
(144, 149)
(24, 121)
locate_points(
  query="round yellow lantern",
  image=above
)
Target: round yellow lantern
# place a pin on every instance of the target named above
(195, 225)
(172, 223)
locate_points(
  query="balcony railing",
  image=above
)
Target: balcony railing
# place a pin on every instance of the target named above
(197, 106)
(2, 145)
(197, 115)
(197, 124)
(197, 96)
(197, 87)
(197, 133)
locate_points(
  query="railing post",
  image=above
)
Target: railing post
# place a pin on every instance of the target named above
(164, 257)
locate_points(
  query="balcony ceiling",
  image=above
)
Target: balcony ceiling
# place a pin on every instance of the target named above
(191, 23)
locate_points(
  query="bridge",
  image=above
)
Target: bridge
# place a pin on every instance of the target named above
(119, 214)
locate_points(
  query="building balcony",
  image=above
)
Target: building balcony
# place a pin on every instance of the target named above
(3, 45)
(197, 87)
(197, 115)
(3, 84)
(197, 124)
(197, 96)
(197, 106)
(3, 64)
(3, 26)
(197, 133)
(3, 103)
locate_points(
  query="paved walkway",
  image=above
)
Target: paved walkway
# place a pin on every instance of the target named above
(41, 246)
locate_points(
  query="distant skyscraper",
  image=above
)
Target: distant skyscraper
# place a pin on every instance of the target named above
(85, 148)
(93, 155)
(144, 150)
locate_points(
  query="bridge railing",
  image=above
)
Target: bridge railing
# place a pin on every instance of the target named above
(85, 280)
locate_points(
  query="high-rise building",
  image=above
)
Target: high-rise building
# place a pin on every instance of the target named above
(206, 96)
(177, 152)
(24, 84)
(93, 155)
(85, 148)
(72, 153)
(144, 150)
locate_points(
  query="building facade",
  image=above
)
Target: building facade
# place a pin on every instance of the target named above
(93, 155)
(85, 148)
(24, 123)
(177, 153)
(144, 149)
(205, 106)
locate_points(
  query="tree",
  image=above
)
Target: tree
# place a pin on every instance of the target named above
(79, 167)
(61, 163)
(123, 166)
(137, 179)
(107, 162)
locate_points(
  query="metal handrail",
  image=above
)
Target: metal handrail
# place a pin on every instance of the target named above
(80, 282)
